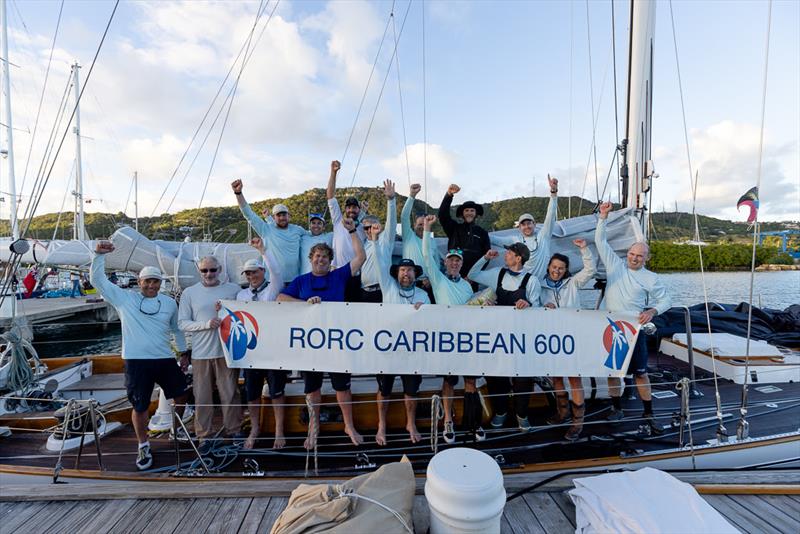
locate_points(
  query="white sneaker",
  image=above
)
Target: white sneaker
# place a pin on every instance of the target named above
(523, 424)
(145, 458)
(480, 434)
(449, 434)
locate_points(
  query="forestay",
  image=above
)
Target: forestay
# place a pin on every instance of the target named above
(394, 338)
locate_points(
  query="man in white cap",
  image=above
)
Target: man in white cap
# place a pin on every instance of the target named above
(259, 289)
(316, 234)
(380, 241)
(282, 238)
(148, 318)
(197, 315)
(398, 287)
(631, 288)
(538, 243)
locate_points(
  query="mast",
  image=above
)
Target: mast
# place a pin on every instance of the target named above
(80, 228)
(136, 200)
(637, 167)
(6, 119)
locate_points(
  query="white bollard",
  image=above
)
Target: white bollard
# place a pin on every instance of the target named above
(465, 493)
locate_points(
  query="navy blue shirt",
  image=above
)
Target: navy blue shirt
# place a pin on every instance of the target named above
(330, 287)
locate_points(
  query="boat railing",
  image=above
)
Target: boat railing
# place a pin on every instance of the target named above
(693, 392)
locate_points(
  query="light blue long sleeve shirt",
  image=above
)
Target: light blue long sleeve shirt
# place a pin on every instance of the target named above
(412, 243)
(567, 294)
(538, 243)
(383, 245)
(146, 322)
(284, 242)
(627, 289)
(446, 291)
(392, 293)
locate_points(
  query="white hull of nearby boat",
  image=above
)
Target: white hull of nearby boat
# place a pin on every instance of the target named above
(780, 450)
(24, 401)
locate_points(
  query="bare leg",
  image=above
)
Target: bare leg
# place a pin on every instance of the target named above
(255, 423)
(558, 385)
(411, 418)
(344, 398)
(643, 386)
(615, 387)
(316, 399)
(576, 385)
(279, 411)
(383, 409)
(448, 392)
(469, 385)
(139, 420)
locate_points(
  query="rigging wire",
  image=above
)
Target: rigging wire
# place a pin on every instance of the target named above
(402, 110)
(571, 55)
(424, 113)
(591, 93)
(616, 98)
(64, 199)
(41, 96)
(742, 428)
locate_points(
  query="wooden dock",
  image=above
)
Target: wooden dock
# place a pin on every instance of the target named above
(39, 311)
(252, 506)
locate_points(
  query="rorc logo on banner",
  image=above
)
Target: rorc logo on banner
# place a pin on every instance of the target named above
(615, 341)
(239, 333)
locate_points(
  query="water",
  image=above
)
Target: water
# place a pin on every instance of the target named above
(772, 290)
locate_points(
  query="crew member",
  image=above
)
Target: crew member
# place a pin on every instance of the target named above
(283, 237)
(411, 227)
(197, 315)
(514, 287)
(322, 284)
(538, 243)
(631, 288)
(316, 234)
(398, 285)
(467, 235)
(148, 318)
(452, 290)
(380, 242)
(560, 289)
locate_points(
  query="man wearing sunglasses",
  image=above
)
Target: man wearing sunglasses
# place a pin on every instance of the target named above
(450, 289)
(282, 237)
(197, 315)
(324, 284)
(316, 234)
(538, 243)
(148, 320)
(380, 241)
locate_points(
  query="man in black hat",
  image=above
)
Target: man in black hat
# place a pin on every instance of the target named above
(467, 235)
(398, 287)
(514, 286)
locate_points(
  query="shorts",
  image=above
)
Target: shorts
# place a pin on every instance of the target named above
(254, 383)
(450, 379)
(638, 363)
(313, 381)
(375, 296)
(411, 384)
(141, 375)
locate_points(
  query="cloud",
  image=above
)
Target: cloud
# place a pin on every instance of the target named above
(725, 155)
(441, 170)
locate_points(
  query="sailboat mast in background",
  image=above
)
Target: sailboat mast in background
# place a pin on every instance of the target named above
(79, 229)
(637, 167)
(8, 149)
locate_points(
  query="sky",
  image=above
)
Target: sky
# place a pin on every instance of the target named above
(492, 96)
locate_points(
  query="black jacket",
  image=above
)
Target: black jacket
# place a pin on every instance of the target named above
(469, 237)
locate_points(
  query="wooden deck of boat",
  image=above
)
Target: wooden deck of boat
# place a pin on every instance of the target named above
(752, 501)
(38, 311)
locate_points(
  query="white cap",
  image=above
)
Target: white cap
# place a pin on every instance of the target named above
(279, 208)
(524, 217)
(252, 265)
(150, 272)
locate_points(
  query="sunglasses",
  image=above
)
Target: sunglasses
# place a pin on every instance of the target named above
(204, 271)
(249, 273)
(455, 251)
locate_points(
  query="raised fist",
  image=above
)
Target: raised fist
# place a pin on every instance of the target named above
(491, 254)
(553, 184)
(348, 224)
(605, 209)
(415, 189)
(580, 243)
(335, 166)
(236, 185)
(453, 189)
(104, 247)
(429, 220)
(257, 244)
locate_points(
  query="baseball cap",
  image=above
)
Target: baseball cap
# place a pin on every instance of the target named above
(312, 216)
(279, 208)
(520, 250)
(351, 201)
(150, 272)
(252, 265)
(524, 217)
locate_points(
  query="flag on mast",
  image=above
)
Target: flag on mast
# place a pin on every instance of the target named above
(750, 199)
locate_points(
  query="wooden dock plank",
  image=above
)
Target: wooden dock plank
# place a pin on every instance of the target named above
(273, 510)
(106, 518)
(199, 515)
(252, 517)
(738, 516)
(548, 513)
(172, 514)
(229, 516)
(72, 520)
(49, 516)
(521, 518)
(138, 517)
(563, 500)
(421, 514)
(505, 526)
(19, 513)
(766, 512)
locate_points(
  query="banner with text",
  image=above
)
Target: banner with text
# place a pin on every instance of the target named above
(397, 339)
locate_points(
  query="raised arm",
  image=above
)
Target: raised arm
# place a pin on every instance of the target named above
(431, 266)
(487, 278)
(552, 211)
(275, 276)
(386, 282)
(389, 233)
(447, 222)
(607, 255)
(97, 275)
(407, 225)
(358, 246)
(259, 225)
(331, 190)
(589, 268)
